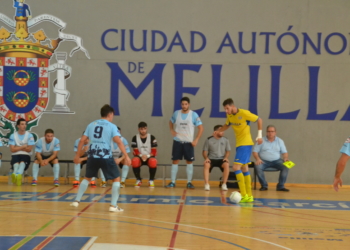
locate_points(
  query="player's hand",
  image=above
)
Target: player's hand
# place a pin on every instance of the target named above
(77, 159)
(173, 133)
(259, 140)
(117, 161)
(44, 163)
(194, 143)
(144, 157)
(207, 161)
(258, 162)
(337, 183)
(127, 161)
(285, 160)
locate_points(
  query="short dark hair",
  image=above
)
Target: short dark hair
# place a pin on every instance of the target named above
(119, 128)
(49, 131)
(106, 110)
(20, 120)
(185, 99)
(217, 127)
(228, 101)
(142, 125)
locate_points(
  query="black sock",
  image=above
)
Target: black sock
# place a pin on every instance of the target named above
(152, 173)
(137, 172)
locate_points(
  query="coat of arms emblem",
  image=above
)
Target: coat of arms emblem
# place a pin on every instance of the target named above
(25, 56)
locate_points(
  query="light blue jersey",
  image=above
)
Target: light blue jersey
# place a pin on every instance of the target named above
(31, 141)
(183, 128)
(101, 133)
(54, 145)
(346, 147)
(126, 145)
(195, 118)
(76, 143)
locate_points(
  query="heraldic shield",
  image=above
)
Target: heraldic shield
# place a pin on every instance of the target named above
(23, 87)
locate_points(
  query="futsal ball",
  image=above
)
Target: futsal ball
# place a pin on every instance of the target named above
(235, 197)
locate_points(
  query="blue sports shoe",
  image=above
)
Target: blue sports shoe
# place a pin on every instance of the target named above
(170, 185)
(190, 186)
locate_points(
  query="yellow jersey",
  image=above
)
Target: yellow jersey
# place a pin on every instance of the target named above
(240, 123)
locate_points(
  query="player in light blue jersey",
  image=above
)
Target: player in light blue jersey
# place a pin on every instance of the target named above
(341, 164)
(119, 160)
(21, 144)
(101, 132)
(46, 151)
(182, 126)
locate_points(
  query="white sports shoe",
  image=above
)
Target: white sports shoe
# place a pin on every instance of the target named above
(74, 204)
(115, 209)
(224, 187)
(206, 187)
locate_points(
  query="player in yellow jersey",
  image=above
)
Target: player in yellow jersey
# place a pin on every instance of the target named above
(239, 120)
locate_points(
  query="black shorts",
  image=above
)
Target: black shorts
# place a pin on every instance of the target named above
(109, 168)
(19, 158)
(182, 150)
(216, 163)
(44, 158)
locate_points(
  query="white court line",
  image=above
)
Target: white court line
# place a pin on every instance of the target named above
(164, 222)
(89, 243)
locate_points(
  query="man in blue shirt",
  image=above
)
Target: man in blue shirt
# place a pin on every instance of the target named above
(182, 126)
(21, 9)
(344, 157)
(21, 144)
(268, 155)
(46, 151)
(100, 133)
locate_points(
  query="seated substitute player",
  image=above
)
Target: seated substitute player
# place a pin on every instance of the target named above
(216, 151)
(341, 164)
(46, 150)
(82, 161)
(21, 144)
(145, 151)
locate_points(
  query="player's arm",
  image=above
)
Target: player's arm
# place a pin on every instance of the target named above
(259, 137)
(227, 155)
(199, 134)
(339, 170)
(154, 146)
(38, 157)
(223, 128)
(172, 131)
(117, 140)
(14, 148)
(79, 152)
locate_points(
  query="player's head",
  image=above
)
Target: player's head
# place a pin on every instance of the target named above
(185, 103)
(107, 112)
(270, 132)
(49, 135)
(216, 132)
(142, 128)
(21, 124)
(228, 106)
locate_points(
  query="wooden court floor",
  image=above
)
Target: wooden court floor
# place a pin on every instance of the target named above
(40, 218)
